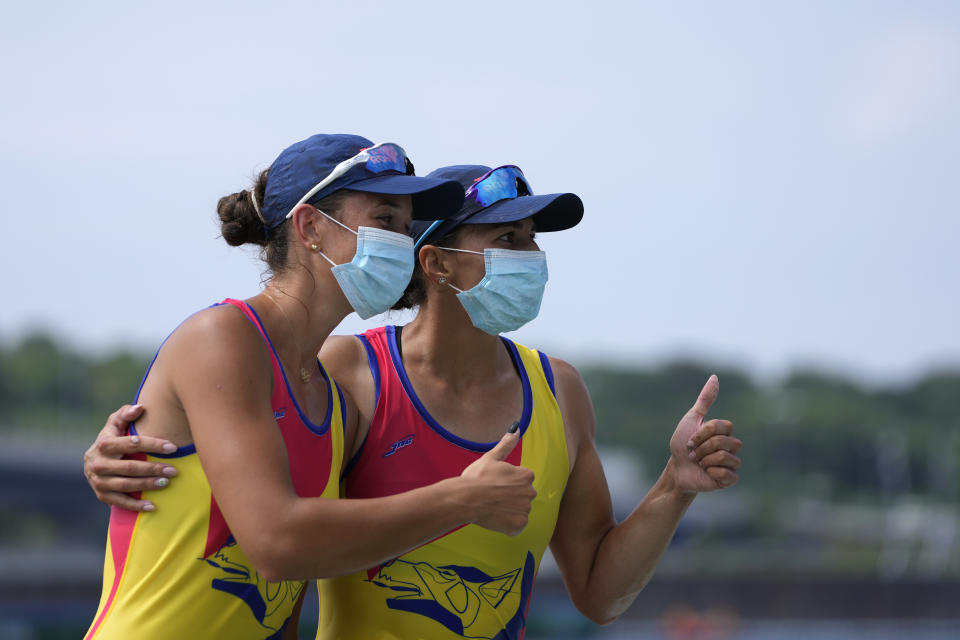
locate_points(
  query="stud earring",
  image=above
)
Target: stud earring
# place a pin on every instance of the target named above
(442, 280)
(314, 247)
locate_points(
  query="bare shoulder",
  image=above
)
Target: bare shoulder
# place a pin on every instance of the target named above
(579, 422)
(220, 335)
(214, 366)
(342, 355)
(571, 389)
(563, 370)
(216, 318)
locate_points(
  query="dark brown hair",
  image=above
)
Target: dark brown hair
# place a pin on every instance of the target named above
(241, 224)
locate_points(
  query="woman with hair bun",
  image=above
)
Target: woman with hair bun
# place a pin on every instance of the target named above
(257, 427)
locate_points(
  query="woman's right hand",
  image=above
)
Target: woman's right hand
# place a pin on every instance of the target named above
(503, 491)
(111, 476)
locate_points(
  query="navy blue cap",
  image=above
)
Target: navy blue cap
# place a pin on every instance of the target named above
(550, 212)
(302, 165)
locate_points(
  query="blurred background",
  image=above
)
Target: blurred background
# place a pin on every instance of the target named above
(771, 195)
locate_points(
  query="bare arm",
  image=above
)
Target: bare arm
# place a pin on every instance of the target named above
(223, 383)
(605, 565)
(113, 477)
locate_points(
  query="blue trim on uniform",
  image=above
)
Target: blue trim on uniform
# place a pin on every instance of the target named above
(374, 369)
(527, 389)
(457, 440)
(343, 408)
(547, 371)
(143, 380)
(375, 372)
(316, 429)
(187, 450)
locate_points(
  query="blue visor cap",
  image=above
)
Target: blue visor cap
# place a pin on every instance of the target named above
(303, 165)
(550, 212)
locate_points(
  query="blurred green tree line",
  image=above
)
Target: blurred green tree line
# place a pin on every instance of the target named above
(811, 427)
(838, 477)
(49, 389)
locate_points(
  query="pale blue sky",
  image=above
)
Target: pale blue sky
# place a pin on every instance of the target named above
(766, 183)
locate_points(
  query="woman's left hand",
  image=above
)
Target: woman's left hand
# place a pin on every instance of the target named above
(704, 453)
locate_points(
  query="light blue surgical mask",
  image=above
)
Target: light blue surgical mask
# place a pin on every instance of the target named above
(379, 272)
(510, 292)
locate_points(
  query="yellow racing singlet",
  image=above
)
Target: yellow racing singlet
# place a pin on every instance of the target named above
(470, 582)
(177, 572)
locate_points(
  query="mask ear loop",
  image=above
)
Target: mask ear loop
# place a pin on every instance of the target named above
(334, 220)
(479, 253)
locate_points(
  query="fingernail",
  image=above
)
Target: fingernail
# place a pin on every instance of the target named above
(689, 444)
(724, 482)
(169, 447)
(513, 428)
(692, 455)
(149, 507)
(169, 471)
(161, 482)
(135, 439)
(136, 406)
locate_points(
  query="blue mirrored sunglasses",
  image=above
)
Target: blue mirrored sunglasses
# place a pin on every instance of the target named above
(379, 158)
(503, 183)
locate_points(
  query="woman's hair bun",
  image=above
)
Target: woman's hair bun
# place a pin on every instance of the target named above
(240, 223)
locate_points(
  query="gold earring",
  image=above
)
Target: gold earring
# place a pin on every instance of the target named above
(314, 247)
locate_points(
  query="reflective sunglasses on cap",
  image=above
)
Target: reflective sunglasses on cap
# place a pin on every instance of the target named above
(503, 183)
(379, 158)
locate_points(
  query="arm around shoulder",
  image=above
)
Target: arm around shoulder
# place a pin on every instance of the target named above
(225, 391)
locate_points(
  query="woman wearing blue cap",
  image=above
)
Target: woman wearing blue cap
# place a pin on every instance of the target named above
(433, 397)
(256, 426)
(443, 384)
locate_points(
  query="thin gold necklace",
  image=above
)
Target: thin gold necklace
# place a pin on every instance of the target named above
(305, 374)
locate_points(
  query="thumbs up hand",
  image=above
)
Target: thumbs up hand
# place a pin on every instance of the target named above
(704, 452)
(502, 492)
